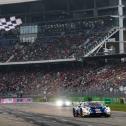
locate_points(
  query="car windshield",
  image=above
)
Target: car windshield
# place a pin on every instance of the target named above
(96, 104)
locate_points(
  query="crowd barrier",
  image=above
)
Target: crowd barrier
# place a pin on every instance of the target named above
(15, 100)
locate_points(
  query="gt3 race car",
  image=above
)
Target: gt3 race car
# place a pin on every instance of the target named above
(91, 109)
(63, 103)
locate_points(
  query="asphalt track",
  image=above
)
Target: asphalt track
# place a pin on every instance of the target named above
(46, 114)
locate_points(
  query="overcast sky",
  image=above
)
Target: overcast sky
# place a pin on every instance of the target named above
(13, 1)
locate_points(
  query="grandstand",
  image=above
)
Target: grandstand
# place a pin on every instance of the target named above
(63, 47)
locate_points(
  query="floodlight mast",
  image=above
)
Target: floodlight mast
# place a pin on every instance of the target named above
(121, 28)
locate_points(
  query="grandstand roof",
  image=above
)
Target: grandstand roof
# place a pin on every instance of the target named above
(14, 1)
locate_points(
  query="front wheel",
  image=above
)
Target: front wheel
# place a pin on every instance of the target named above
(81, 112)
(74, 113)
(108, 115)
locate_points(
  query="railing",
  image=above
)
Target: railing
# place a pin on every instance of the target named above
(92, 48)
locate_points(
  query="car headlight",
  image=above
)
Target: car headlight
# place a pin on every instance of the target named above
(59, 103)
(67, 103)
(108, 109)
(86, 111)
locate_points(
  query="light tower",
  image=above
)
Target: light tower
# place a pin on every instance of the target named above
(121, 33)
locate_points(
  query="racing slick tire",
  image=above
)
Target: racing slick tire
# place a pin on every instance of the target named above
(81, 112)
(107, 115)
(75, 113)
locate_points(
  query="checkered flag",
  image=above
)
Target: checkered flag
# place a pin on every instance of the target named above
(11, 24)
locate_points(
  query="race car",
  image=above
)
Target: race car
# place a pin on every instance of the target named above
(63, 103)
(91, 109)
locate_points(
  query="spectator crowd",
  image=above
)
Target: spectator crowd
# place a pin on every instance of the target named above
(95, 78)
(81, 37)
(61, 41)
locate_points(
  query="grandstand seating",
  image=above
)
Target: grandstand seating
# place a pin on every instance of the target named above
(61, 42)
(63, 46)
(89, 79)
(52, 34)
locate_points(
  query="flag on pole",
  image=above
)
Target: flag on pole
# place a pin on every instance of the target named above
(11, 24)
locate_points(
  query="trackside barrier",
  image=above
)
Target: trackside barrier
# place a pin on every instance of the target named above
(15, 100)
(106, 100)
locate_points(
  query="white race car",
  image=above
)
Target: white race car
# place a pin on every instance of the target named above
(91, 109)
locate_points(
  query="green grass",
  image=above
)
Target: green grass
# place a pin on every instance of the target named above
(118, 107)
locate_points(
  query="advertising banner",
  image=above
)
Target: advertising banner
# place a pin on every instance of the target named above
(15, 100)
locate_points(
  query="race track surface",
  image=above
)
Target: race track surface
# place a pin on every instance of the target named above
(46, 114)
